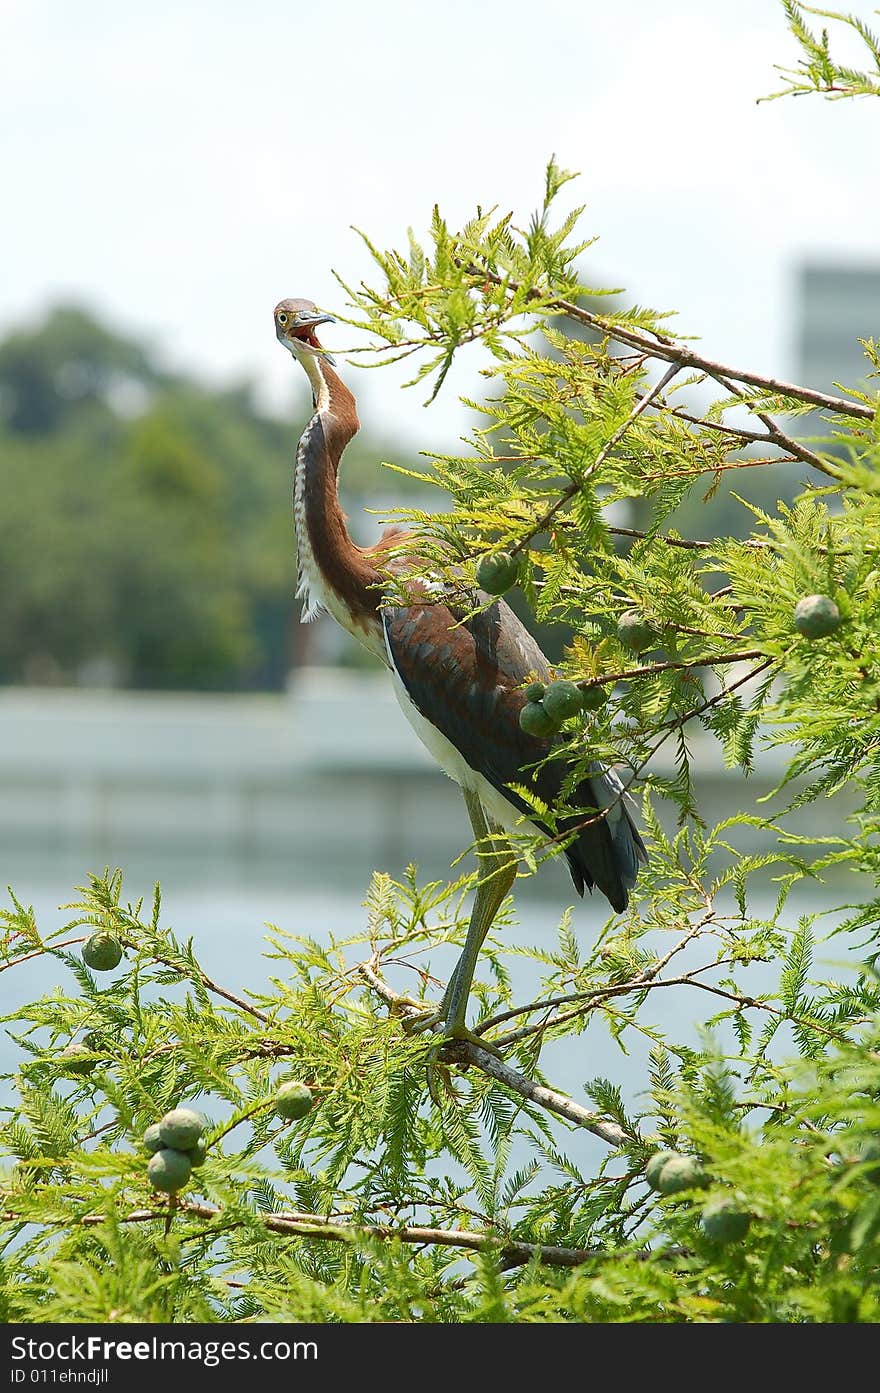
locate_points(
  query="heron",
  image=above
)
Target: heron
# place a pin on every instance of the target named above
(459, 674)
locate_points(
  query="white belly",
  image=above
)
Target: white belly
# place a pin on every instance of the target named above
(497, 808)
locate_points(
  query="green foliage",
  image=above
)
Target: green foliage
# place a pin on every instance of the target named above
(393, 1200)
(416, 1189)
(818, 70)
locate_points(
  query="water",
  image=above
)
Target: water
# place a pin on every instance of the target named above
(265, 811)
(226, 908)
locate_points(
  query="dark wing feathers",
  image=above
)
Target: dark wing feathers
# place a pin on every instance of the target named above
(465, 675)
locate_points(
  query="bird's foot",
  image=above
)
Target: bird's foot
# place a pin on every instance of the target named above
(454, 1033)
(458, 1035)
(447, 1051)
(417, 1025)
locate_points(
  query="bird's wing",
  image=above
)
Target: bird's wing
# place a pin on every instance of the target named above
(465, 675)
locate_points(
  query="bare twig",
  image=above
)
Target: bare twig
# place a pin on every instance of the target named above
(647, 980)
(689, 979)
(203, 977)
(39, 952)
(306, 1225)
(467, 1052)
(660, 345)
(212, 986)
(703, 706)
(641, 405)
(571, 489)
(651, 668)
(700, 468)
(778, 436)
(748, 437)
(400, 1005)
(689, 545)
(647, 974)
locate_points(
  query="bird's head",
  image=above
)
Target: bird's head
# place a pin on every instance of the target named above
(295, 325)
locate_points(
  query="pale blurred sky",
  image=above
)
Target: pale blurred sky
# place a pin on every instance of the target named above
(181, 167)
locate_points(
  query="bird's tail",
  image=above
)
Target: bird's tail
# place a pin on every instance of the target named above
(608, 849)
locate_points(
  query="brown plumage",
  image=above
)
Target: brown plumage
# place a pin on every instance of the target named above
(460, 680)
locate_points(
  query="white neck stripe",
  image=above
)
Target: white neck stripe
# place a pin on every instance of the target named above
(320, 388)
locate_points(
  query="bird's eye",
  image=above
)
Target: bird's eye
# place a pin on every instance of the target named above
(282, 319)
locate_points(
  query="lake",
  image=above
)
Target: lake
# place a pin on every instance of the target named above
(274, 809)
(225, 906)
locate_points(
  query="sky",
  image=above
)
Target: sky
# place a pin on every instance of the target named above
(180, 167)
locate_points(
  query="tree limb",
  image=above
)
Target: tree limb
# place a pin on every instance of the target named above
(662, 346)
(571, 489)
(650, 669)
(318, 1226)
(779, 437)
(467, 1052)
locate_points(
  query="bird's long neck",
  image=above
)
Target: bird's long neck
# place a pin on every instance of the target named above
(334, 573)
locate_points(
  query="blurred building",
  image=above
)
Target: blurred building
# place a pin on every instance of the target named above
(836, 306)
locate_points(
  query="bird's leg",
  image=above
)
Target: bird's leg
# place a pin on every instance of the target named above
(497, 870)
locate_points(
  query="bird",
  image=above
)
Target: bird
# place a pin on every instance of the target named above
(459, 673)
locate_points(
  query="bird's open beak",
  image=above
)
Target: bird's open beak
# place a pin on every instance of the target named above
(300, 331)
(313, 324)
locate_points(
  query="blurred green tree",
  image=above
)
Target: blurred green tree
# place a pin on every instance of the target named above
(69, 361)
(145, 537)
